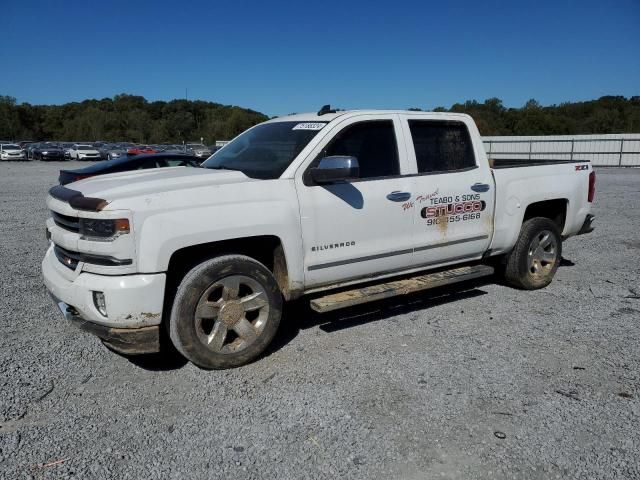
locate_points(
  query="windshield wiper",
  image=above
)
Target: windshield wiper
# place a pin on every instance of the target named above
(220, 167)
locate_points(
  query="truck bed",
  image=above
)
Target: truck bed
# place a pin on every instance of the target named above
(497, 163)
(516, 188)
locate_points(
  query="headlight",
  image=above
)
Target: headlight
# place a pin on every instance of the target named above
(103, 229)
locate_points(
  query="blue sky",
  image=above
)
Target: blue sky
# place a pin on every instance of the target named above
(281, 57)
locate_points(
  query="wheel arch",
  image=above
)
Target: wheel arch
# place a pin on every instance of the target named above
(553, 209)
(266, 249)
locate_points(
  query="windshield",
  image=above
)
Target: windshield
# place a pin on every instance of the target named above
(10, 146)
(84, 147)
(266, 150)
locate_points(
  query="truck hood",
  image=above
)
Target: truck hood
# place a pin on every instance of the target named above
(118, 186)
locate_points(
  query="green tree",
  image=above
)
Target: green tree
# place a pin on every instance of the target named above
(132, 118)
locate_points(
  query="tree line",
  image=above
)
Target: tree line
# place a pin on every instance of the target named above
(124, 117)
(610, 114)
(133, 118)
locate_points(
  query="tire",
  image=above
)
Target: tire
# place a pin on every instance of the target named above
(240, 305)
(534, 260)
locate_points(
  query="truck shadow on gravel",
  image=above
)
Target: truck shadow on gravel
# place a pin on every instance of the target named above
(565, 262)
(168, 359)
(298, 315)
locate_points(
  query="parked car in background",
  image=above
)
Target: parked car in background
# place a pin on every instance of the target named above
(29, 148)
(214, 148)
(66, 148)
(103, 148)
(84, 152)
(24, 144)
(11, 151)
(199, 150)
(176, 149)
(140, 149)
(125, 164)
(47, 151)
(116, 150)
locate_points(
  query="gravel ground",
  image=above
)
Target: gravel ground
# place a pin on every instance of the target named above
(477, 381)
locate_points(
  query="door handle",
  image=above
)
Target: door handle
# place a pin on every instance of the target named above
(399, 196)
(480, 187)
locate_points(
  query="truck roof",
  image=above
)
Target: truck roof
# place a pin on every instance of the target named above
(327, 117)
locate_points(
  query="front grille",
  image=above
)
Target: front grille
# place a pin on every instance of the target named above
(72, 224)
(67, 258)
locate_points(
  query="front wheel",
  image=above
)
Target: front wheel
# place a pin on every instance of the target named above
(534, 260)
(226, 312)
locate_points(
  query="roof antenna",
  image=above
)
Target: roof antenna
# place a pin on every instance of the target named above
(325, 109)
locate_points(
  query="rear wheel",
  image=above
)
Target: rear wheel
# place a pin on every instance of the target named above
(226, 312)
(534, 260)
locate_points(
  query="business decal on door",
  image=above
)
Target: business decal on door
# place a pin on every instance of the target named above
(419, 200)
(454, 208)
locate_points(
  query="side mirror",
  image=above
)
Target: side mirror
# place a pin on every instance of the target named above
(335, 169)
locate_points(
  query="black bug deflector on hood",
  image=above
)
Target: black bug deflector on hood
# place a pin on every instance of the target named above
(77, 200)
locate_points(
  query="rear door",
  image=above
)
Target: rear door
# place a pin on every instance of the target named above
(357, 228)
(453, 198)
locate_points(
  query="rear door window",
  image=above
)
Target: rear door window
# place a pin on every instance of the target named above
(441, 146)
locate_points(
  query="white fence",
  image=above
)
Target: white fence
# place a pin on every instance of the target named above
(603, 150)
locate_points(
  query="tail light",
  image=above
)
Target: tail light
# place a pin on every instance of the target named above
(592, 186)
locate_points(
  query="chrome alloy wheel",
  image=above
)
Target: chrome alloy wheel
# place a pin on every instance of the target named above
(231, 314)
(543, 253)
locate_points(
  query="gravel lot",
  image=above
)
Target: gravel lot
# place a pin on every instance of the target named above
(423, 387)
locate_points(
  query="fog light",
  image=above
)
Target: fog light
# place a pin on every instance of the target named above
(100, 303)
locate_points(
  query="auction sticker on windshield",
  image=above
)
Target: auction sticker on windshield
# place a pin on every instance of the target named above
(309, 126)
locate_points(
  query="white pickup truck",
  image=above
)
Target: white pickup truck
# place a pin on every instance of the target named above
(343, 206)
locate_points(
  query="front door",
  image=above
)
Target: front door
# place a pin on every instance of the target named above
(358, 228)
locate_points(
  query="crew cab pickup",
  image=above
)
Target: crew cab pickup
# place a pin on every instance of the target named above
(344, 207)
